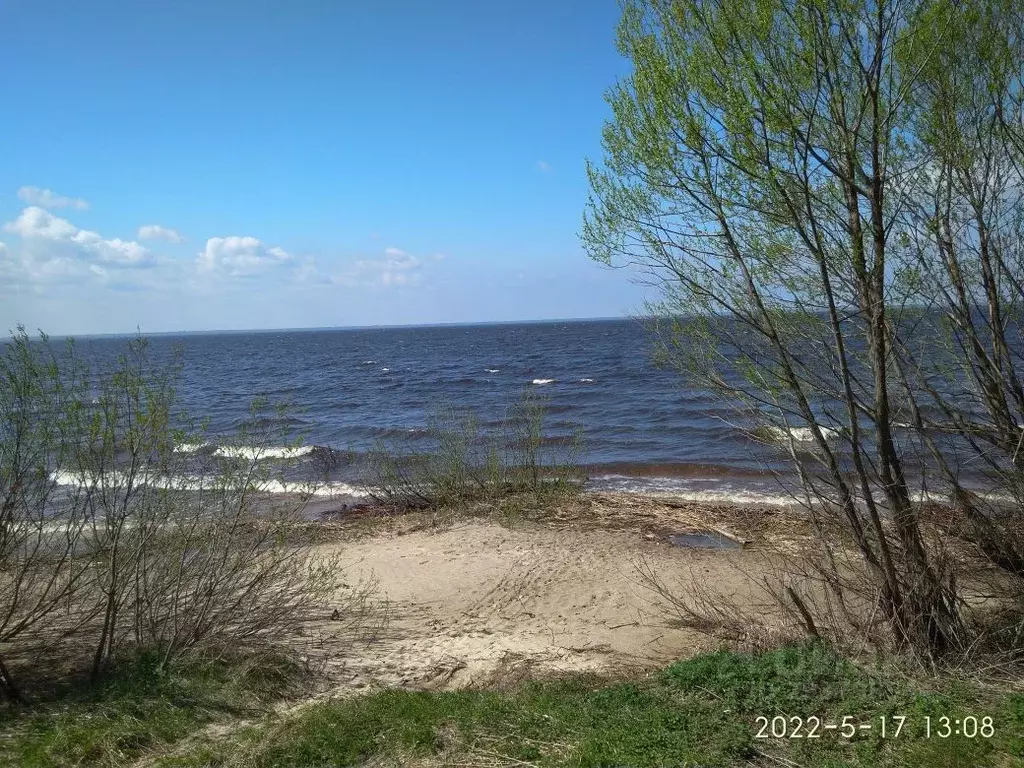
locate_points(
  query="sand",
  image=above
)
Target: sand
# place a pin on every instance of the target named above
(477, 602)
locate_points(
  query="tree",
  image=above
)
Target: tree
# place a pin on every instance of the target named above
(765, 162)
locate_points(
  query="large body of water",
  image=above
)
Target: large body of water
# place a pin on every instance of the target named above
(641, 429)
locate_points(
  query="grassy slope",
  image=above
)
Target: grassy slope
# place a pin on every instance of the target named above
(141, 708)
(696, 712)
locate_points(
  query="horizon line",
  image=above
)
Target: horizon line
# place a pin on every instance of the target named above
(215, 331)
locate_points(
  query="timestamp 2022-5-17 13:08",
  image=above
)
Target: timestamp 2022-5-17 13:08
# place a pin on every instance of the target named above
(885, 726)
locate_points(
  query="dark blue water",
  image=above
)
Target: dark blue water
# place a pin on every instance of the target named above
(640, 427)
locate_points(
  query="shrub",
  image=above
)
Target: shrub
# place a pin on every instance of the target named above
(465, 464)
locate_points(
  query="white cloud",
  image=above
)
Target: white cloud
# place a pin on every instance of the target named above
(396, 268)
(240, 257)
(156, 232)
(36, 225)
(395, 260)
(45, 198)
(21, 267)
(36, 222)
(543, 166)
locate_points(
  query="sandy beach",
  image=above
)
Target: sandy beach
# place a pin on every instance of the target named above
(475, 601)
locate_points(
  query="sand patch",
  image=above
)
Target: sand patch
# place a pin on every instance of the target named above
(473, 602)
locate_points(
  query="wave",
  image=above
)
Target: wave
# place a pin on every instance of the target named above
(493, 370)
(679, 488)
(798, 434)
(114, 479)
(692, 471)
(260, 453)
(368, 362)
(401, 432)
(804, 435)
(272, 421)
(190, 447)
(542, 382)
(711, 490)
(209, 483)
(331, 489)
(944, 497)
(385, 369)
(248, 452)
(586, 381)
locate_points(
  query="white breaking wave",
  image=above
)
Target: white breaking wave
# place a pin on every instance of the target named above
(385, 369)
(493, 370)
(369, 362)
(113, 479)
(326, 489)
(190, 447)
(252, 453)
(799, 434)
(683, 488)
(710, 490)
(586, 381)
(196, 483)
(943, 497)
(542, 382)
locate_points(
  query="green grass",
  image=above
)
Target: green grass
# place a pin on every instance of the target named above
(141, 707)
(699, 712)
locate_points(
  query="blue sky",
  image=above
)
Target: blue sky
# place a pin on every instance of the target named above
(196, 165)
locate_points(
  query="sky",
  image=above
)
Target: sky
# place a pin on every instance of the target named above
(213, 164)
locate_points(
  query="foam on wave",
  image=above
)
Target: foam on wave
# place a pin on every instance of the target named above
(709, 490)
(686, 488)
(798, 434)
(196, 483)
(190, 447)
(542, 382)
(255, 453)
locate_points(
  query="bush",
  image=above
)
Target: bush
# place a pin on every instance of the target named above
(113, 542)
(466, 465)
